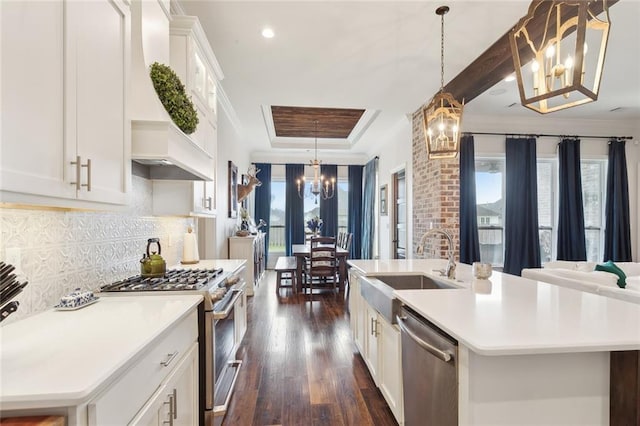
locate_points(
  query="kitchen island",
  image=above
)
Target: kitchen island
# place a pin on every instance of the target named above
(529, 352)
(107, 363)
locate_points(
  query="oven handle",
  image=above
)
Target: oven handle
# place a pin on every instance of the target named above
(219, 410)
(227, 311)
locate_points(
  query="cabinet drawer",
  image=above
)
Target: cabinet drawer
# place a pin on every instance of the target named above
(121, 401)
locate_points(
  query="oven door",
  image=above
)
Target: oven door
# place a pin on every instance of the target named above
(226, 368)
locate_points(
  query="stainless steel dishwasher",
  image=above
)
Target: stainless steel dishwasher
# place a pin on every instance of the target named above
(429, 372)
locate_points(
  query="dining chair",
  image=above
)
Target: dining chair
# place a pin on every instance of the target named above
(323, 263)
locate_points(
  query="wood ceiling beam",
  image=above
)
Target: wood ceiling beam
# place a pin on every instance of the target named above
(497, 62)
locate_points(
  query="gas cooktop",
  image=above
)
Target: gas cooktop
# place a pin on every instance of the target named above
(173, 280)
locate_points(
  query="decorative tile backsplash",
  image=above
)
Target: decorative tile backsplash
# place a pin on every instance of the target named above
(64, 250)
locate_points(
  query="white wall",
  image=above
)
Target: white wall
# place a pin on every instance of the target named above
(230, 148)
(394, 150)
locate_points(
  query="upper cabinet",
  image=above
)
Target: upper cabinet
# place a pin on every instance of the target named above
(65, 126)
(194, 62)
(196, 65)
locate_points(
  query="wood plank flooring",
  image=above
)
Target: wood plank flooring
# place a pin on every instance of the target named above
(300, 365)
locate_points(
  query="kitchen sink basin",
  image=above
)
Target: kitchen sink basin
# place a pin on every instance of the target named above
(413, 282)
(378, 290)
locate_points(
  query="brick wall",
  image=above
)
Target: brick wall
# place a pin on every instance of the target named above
(436, 196)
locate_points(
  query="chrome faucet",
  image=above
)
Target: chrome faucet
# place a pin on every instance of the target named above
(450, 270)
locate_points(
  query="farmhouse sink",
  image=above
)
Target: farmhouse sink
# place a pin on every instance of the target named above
(378, 290)
(413, 282)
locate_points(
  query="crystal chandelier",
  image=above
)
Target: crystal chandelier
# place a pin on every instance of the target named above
(558, 51)
(443, 115)
(320, 187)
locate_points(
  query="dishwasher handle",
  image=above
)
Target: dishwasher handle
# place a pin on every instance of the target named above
(444, 356)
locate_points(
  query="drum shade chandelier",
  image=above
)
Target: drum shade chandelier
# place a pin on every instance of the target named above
(320, 187)
(558, 51)
(443, 115)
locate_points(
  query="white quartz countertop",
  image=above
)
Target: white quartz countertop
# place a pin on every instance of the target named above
(507, 314)
(61, 358)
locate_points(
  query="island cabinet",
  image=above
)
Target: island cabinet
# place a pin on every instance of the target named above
(66, 132)
(379, 344)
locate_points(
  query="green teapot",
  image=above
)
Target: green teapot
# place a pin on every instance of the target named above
(152, 265)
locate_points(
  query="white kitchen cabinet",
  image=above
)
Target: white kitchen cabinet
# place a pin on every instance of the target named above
(140, 393)
(176, 400)
(252, 249)
(195, 63)
(66, 132)
(390, 366)
(357, 313)
(372, 341)
(379, 344)
(184, 198)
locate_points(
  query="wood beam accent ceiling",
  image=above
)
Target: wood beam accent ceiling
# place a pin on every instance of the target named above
(497, 62)
(300, 121)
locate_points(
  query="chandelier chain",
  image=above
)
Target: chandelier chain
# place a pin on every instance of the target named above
(442, 53)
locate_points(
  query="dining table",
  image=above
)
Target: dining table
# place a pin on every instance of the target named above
(302, 251)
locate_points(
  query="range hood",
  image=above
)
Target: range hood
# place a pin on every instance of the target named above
(156, 142)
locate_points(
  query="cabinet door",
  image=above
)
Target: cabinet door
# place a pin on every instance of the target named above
(177, 397)
(371, 338)
(356, 311)
(32, 99)
(98, 128)
(390, 366)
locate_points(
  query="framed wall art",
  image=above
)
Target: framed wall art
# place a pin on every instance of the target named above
(383, 200)
(245, 181)
(233, 190)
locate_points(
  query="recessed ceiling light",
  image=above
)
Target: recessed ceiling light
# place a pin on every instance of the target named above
(510, 77)
(268, 33)
(497, 92)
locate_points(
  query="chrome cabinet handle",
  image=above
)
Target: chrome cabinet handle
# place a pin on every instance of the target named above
(444, 356)
(88, 166)
(175, 403)
(170, 358)
(371, 326)
(170, 403)
(208, 203)
(77, 164)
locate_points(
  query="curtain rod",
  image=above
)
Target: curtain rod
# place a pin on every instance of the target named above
(538, 135)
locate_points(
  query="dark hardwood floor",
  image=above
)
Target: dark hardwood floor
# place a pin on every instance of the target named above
(300, 365)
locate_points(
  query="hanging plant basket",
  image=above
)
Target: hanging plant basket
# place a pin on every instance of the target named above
(171, 92)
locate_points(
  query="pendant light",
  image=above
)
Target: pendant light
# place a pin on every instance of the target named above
(443, 115)
(558, 51)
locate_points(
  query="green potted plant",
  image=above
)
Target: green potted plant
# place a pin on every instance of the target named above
(172, 94)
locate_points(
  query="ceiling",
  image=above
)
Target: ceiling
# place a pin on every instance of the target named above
(382, 57)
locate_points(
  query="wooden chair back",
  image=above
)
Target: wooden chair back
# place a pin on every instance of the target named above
(322, 257)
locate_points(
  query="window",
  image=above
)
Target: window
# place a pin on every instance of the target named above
(593, 181)
(546, 183)
(343, 203)
(490, 208)
(277, 216)
(311, 209)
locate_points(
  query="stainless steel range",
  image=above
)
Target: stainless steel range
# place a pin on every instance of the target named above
(218, 337)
